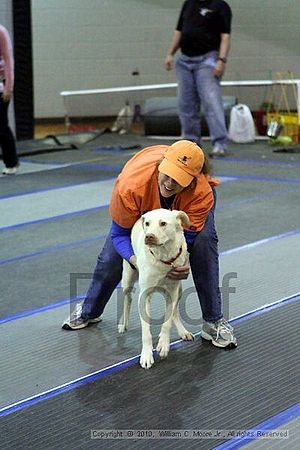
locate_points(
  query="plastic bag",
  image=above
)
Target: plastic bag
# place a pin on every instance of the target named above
(241, 125)
(123, 121)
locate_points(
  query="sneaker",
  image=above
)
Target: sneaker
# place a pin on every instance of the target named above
(76, 322)
(220, 333)
(10, 170)
(216, 151)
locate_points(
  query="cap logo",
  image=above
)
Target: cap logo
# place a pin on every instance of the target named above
(184, 160)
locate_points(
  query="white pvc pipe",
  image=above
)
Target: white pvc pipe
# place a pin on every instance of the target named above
(174, 85)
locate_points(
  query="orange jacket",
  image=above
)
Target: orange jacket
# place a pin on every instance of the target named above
(136, 191)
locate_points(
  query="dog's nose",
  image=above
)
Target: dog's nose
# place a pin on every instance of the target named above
(150, 238)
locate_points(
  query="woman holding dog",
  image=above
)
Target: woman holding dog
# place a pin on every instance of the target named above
(174, 177)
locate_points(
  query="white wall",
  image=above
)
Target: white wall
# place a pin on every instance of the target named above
(5, 13)
(98, 43)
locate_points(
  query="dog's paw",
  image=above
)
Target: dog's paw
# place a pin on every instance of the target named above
(163, 347)
(122, 328)
(187, 336)
(146, 359)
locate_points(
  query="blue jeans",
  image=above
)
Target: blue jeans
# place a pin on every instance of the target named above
(199, 90)
(204, 262)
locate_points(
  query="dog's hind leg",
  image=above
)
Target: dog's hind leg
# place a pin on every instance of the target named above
(128, 279)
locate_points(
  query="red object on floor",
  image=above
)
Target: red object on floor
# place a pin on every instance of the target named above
(81, 128)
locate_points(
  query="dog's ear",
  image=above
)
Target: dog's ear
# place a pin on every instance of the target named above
(183, 218)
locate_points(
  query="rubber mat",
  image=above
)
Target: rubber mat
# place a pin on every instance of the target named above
(198, 387)
(78, 138)
(40, 146)
(116, 148)
(54, 143)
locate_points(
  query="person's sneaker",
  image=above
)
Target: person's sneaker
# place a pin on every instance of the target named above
(10, 170)
(220, 333)
(76, 322)
(216, 151)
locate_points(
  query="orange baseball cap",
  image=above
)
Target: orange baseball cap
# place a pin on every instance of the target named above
(182, 161)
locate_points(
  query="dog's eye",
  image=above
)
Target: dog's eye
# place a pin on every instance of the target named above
(147, 224)
(163, 224)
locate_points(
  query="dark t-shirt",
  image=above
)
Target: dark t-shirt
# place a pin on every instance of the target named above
(201, 23)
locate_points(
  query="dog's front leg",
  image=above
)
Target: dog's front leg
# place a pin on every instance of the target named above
(163, 345)
(146, 359)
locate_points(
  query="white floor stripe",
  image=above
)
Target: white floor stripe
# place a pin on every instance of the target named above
(27, 208)
(28, 167)
(43, 205)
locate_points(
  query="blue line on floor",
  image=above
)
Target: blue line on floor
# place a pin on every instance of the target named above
(51, 249)
(269, 307)
(260, 162)
(254, 433)
(53, 188)
(45, 163)
(260, 242)
(70, 214)
(32, 312)
(256, 198)
(95, 238)
(234, 177)
(48, 219)
(37, 398)
(260, 178)
(63, 302)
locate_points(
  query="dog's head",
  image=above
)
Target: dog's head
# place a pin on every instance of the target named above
(163, 225)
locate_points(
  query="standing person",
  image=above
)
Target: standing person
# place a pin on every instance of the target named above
(203, 36)
(7, 140)
(174, 177)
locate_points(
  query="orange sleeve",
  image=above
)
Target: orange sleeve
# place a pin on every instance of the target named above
(123, 208)
(214, 182)
(198, 214)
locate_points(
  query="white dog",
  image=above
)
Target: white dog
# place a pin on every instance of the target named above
(159, 245)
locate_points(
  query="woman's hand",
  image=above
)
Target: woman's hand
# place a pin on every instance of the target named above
(179, 273)
(219, 69)
(6, 96)
(169, 62)
(132, 261)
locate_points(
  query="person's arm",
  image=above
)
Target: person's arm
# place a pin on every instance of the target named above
(190, 236)
(182, 272)
(223, 54)
(7, 55)
(121, 240)
(173, 49)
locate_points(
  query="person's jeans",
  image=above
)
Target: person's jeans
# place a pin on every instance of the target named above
(204, 262)
(199, 90)
(7, 140)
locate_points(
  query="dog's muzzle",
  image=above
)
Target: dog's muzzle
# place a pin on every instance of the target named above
(151, 239)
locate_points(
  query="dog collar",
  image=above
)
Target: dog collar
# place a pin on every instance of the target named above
(169, 262)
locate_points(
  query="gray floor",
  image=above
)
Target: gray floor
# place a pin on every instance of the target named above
(54, 218)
